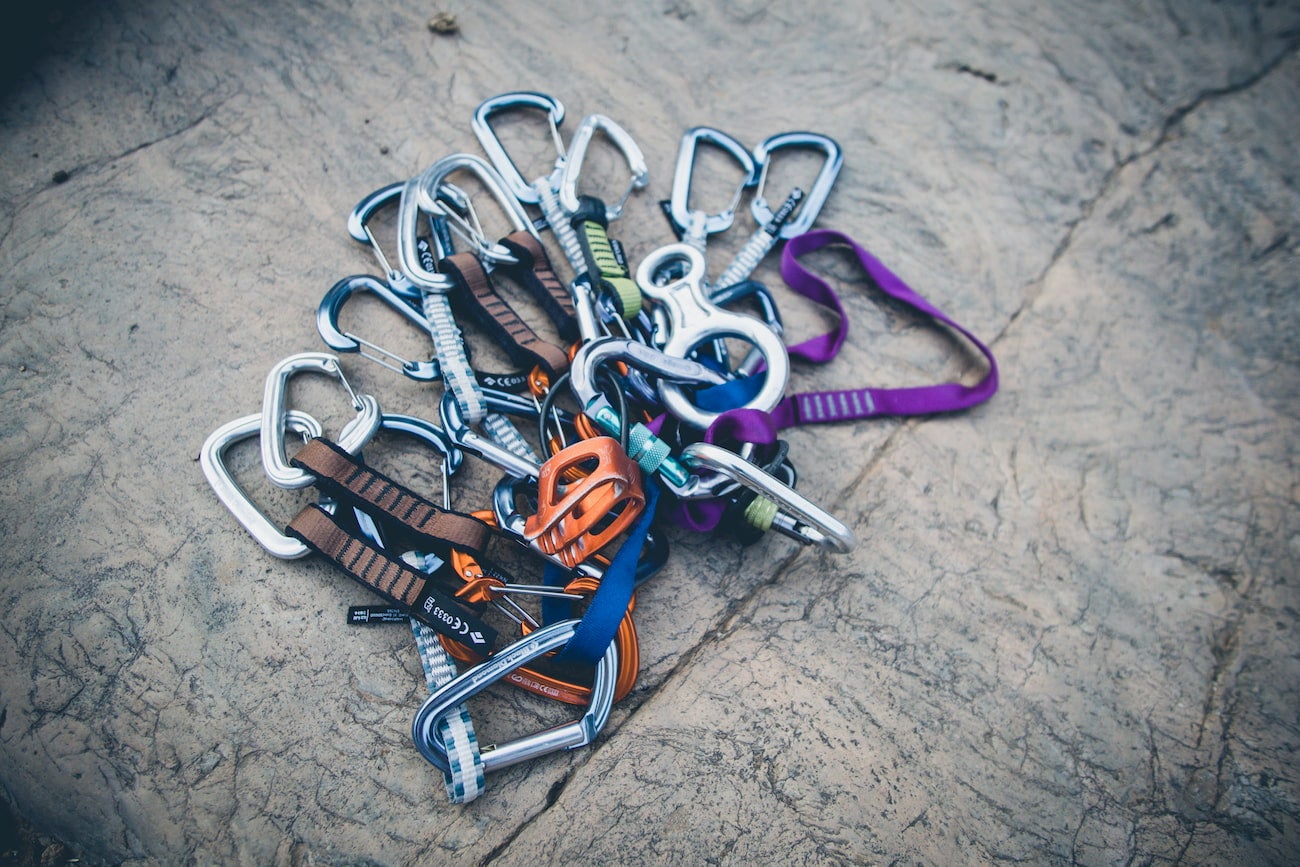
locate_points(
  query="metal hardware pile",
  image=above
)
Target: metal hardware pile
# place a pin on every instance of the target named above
(642, 411)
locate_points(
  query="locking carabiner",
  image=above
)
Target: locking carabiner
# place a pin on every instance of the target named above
(697, 225)
(580, 732)
(800, 209)
(794, 514)
(578, 153)
(351, 439)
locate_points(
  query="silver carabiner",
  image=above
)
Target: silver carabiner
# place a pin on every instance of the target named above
(431, 195)
(578, 153)
(798, 517)
(800, 209)
(453, 423)
(691, 319)
(697, 225)
(580, 732)
(327, 324)
(359, 229)
(814, 198)
(212, 459)
(522, 190)
(351, 439)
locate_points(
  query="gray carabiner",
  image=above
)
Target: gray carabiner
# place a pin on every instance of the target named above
(697, 225)
(351, 439)
(799, 518)
(453, 422)
(580, 732)
(522, 190)
(691, 319)
(431, 196)
(212, 459)
(327, 324)
(359, 229)
(578, 153)
(814, 198)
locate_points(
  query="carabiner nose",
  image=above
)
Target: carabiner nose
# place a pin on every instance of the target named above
(491, 143)
(431, 196)
(815, 197)
(696, 224)
(578, 152)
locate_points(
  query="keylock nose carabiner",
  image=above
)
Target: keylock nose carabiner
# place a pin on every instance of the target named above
(582, 137)
(525, 191)
(696, 225)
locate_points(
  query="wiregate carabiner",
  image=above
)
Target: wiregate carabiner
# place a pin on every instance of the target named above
(212, 459)
(580, 732)
(800, 209)
(431, 196)
(327, 324)
(578, 152)
(359, 229)
(526, 192)
(697, 225)
(690, 319)
(351, 439)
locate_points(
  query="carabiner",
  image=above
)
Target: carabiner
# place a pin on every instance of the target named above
(580, 732)
(815, 197)
(359, 229)
(578, 152)
(212, 459)
(697, 225)
(522, 190)
(800, 209)
(798, 517)
(351, 439)
(327, 324)
(431, 196)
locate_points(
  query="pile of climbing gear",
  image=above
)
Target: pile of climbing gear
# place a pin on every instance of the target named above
(646, 402)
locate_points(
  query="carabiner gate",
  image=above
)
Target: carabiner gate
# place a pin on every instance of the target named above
(431, 196)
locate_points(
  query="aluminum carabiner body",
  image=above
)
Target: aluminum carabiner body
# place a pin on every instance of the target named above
(431, 195)
(359, 229)
(816, 195)
(351, 439)
(696, 225)
(525, 191)
(472, 681)
(327, 324)
(798, 517)
(582, 137)
(212, 459)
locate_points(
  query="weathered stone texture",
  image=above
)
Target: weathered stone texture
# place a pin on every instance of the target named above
(1068, 632)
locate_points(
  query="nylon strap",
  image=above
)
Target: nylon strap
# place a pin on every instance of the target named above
(499, 319)
(605, 268)
(450, 346)
(466, 781)
(344, 476)
(392, 579)
(610, 602)
(536, 274)
(821, 407)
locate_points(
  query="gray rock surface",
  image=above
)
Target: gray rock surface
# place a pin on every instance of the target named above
(1068, 632)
